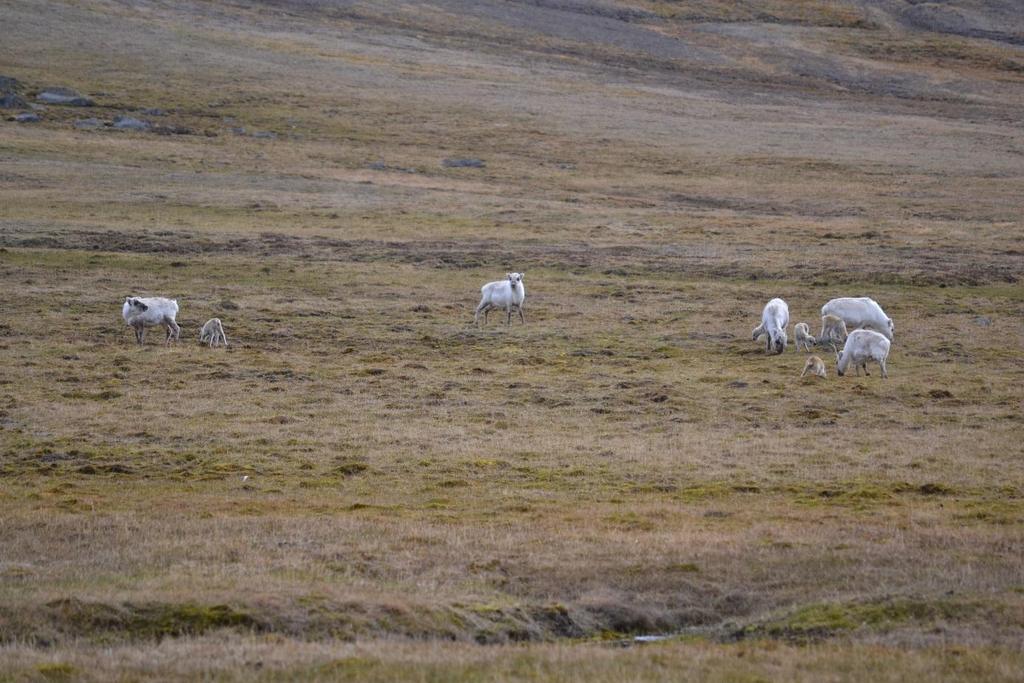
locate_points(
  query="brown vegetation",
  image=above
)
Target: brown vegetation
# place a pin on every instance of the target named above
(363, 469)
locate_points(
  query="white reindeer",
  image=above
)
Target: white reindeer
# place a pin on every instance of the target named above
(804, 338)
(861, 312)
(862, 346)
(213, 333)
(833, 331)
(149, 311)
(508, 294)
(774, 319)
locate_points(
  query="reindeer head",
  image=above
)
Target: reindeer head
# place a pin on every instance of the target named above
(780, 342)
(134, 302)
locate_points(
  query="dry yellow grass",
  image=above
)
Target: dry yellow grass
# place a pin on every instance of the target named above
(627, 462)
(226, 657)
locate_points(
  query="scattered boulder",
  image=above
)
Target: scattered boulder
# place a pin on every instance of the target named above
(12, 100)
(88, 123)
(65, 96)
(130, 123)
(983, 321)
(463, 163)
(28, 117)
(9, 97)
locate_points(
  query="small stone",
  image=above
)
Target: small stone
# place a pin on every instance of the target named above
(154, 112)
(463, 163)
(130, 123)
(265, 135)
(28, 117)
(88, 123)
(982, 320)
(381, 166)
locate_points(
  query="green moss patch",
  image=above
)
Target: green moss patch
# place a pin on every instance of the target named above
(822, 620)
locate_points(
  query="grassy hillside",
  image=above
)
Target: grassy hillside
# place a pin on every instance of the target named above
(365, 486)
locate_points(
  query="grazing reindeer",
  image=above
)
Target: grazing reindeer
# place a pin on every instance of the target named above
(213, 333)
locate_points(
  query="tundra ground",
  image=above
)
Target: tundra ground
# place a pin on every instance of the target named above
(366, 486)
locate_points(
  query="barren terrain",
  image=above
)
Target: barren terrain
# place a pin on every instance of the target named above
(365, 486)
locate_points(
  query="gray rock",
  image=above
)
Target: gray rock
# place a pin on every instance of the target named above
(381, 166)
(12, 101)
(154, 112)
(463, 163)
(982, 320)
(65, 96)
(88, 123)
(265, 135)
(28, 117)
(129, 123)
(8, 84)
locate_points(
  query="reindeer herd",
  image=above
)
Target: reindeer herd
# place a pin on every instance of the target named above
(870, 340)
